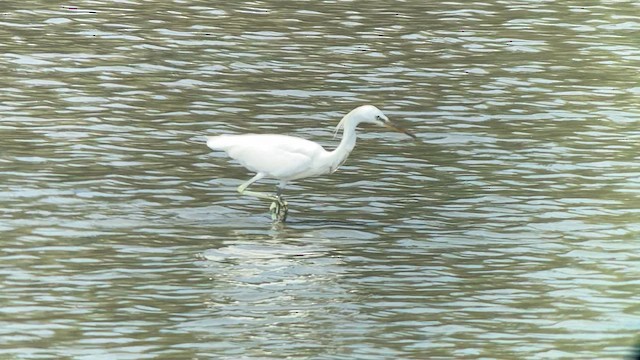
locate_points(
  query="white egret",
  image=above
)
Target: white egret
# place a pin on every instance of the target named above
(288, 158)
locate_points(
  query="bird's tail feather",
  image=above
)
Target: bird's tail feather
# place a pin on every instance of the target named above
(220, 142)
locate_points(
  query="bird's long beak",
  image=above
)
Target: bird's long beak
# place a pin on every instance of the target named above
(397, 128)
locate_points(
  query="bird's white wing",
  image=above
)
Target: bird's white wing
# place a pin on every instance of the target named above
(278, 156)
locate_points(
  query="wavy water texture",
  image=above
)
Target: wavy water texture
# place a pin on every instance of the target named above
(509, 231)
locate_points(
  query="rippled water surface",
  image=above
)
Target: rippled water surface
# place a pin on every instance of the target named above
(509, 231)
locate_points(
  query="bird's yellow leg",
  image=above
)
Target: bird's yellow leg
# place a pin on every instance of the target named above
(242, 189)
(279, 210)
(279, 207)
(260, 195)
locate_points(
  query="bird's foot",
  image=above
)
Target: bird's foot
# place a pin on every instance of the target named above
(279, 209)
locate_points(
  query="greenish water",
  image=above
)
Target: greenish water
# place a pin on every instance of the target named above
(510, 231)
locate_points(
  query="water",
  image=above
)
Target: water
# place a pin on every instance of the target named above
(509, 231)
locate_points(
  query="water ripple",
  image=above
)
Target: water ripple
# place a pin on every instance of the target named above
(509, 230)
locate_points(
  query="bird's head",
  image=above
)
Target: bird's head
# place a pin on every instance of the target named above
(372, 115)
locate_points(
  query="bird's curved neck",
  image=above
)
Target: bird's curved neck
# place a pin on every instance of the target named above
(347, 143)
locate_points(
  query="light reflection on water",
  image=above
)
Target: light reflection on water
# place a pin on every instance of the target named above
(508, 231)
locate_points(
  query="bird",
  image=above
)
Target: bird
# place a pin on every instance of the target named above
(288, 158)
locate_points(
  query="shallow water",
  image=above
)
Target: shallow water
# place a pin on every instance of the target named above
(509, 231)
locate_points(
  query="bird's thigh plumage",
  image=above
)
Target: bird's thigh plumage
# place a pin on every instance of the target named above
(275, 163)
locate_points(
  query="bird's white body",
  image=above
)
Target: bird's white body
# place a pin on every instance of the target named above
(288, 158)
(276, 156)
